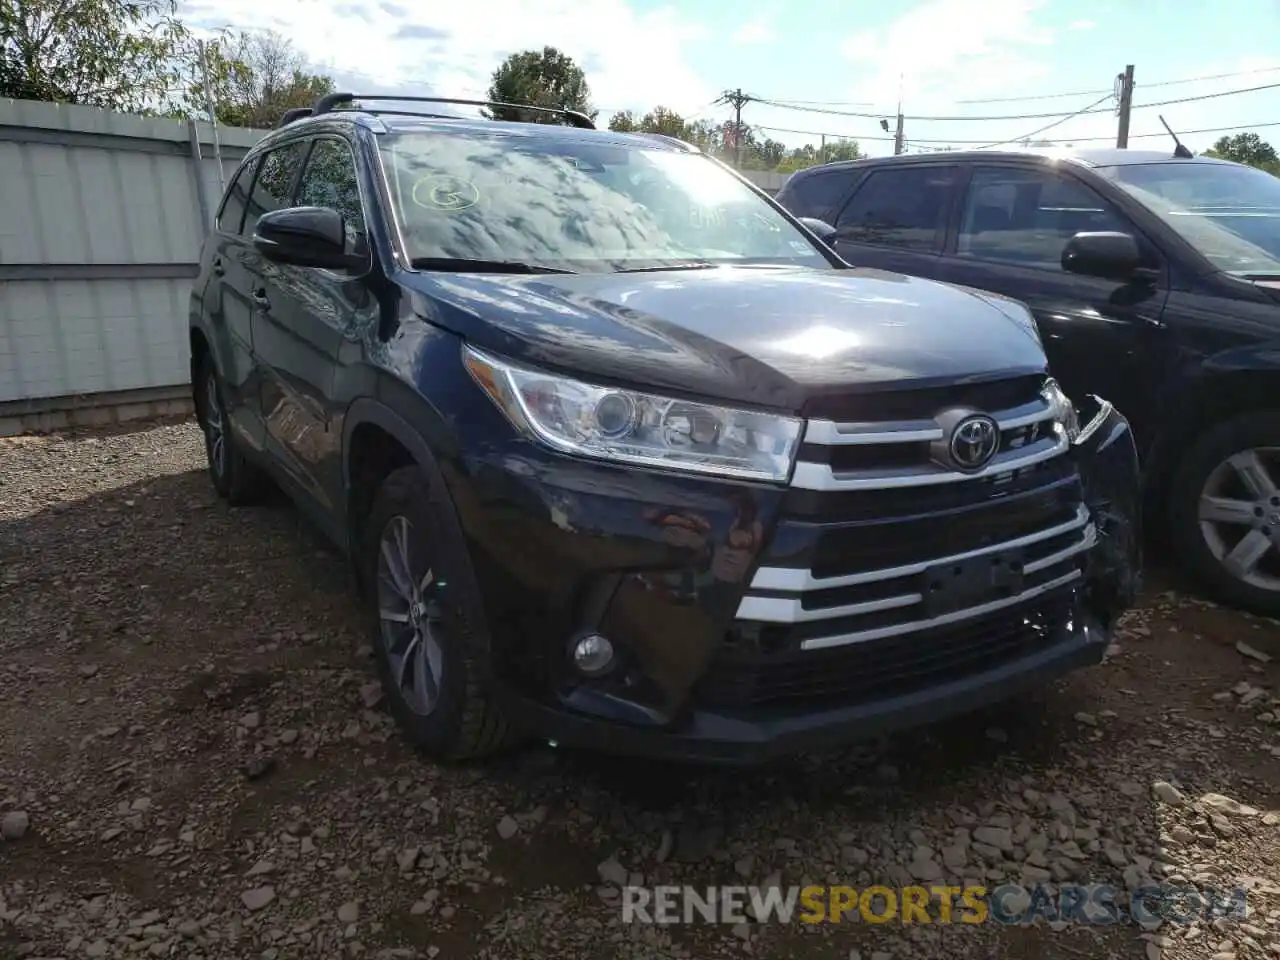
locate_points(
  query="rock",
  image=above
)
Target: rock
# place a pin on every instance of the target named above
(251, 720)
(258, 898)
(99, 948)
(288, 736)
(664, 846)
(1245, 650)
(255, 768)
(407, 859)
(14, 825)
(371, 694)
(1167, 793)
(1088, 719)
(349, 912)
(89, 670)
(508, 828)
(1225, 805)
(611, 871)
(923, 866)
(1153, 951)
(999, 837)
(955, 857)
(261, 869)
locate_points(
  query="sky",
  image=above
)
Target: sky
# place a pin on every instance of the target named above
(1032, 63)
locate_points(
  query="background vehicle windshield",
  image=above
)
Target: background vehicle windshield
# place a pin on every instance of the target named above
(1229, 213)
(566, 202)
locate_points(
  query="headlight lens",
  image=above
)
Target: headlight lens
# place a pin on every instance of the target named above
(624, 426)
(1064, 411)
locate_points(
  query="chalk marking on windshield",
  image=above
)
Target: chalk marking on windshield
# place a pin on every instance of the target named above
(450, 194)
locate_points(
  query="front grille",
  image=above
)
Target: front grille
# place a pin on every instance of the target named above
(890, 568)
(741, 676)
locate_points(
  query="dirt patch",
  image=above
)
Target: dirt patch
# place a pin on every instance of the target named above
(184, 724)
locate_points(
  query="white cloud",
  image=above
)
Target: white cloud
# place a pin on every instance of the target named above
(632, 59)
(1081, 25)
(942, 42)
(753, 31)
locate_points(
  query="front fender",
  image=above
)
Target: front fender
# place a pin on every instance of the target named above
(1107, 458)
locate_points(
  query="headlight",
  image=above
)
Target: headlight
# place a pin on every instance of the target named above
(624, 426)
(1064, 411)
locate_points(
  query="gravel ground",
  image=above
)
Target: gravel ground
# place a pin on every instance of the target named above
(194, 763)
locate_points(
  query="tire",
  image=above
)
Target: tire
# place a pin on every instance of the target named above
(1252, 506)
(449, 717)
(234, 478)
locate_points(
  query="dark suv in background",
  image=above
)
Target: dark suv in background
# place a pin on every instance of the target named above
(624, 457)
(1155, 282)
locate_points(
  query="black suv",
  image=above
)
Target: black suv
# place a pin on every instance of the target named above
(626, 457)
(1155, 281)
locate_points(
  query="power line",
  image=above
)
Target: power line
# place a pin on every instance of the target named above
(1022, 116)
(1132, 136)
(1050, 126)
(1094, 93)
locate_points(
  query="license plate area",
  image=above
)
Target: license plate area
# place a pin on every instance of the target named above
(948, 587)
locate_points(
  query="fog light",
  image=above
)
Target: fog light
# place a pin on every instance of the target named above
(592, 655)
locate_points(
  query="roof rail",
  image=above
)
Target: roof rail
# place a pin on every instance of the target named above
(327, 103)
(295, 113)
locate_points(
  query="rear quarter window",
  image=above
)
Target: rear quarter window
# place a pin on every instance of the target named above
(817, 195)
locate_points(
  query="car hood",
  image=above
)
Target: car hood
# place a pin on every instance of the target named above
(762, 336)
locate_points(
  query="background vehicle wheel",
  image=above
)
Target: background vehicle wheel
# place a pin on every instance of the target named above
(422, 613)
(235, 478)
(1224, 511)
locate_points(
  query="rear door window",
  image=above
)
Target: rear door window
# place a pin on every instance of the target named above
(904, 207)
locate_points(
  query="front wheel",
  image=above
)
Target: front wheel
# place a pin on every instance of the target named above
(1224, 511)
(423, 613)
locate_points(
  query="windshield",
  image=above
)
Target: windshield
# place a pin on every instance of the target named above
(1229, 213)
(567, 203)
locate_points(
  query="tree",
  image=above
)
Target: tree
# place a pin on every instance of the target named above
(540, 78)
(254, 79)
(1247, 148)
(664, 121)
(117, 54)
(623, 121)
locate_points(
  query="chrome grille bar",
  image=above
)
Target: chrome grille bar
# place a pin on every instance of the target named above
(792, 580)
(821, 476)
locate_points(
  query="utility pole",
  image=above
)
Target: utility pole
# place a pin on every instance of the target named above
(213, 117)
(1125, 81)
(738, 100)
(897, 134)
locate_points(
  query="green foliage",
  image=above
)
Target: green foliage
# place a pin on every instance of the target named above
(254, 78)
(1248, 148)
(540, 78)
(118, 54)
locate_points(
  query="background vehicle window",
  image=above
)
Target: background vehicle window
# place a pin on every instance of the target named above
(329, 180)
(232, 210)
(1027, 216)
(906, 207)
(272, 187)
(816, 196)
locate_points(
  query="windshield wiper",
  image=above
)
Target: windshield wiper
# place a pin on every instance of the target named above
(682, 265)
(469, 265)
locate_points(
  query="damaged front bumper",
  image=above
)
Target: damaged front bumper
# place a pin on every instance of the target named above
(672, 572)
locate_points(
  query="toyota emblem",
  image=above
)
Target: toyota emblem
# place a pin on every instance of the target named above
(974, 441)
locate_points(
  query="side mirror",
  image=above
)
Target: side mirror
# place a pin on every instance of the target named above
(304, 237)
(1105, 254)
(823, 230)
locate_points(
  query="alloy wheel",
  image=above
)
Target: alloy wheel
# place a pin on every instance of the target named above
(409, 617)
(1239, 516)
(215, 426)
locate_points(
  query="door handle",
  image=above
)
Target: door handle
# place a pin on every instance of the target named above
(260, 299)
(218, 269)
